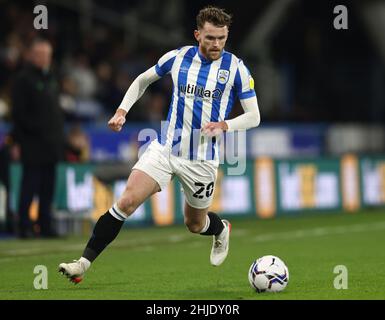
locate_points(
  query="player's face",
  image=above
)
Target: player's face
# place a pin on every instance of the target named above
(41, 55)
(211, 40)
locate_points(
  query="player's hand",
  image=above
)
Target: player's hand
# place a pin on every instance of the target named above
(117, 121)
(212, 129)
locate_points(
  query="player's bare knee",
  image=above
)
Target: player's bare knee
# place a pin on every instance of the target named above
(127, 203)
(193, 226)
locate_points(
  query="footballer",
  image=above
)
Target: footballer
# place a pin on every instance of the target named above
(206, 81)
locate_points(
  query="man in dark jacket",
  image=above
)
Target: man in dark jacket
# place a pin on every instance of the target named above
(38, 129)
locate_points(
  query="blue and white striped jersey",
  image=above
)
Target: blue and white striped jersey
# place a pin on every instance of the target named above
(204, 91)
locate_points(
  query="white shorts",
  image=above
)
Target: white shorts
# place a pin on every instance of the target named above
(196, 176)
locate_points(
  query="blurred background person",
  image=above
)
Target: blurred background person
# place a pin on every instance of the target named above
(9, 152)
(38, 130)
(77, 146)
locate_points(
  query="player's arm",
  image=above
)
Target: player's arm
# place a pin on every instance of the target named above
(139, 86)
(133, 94)
(250, 119)
(244, 87)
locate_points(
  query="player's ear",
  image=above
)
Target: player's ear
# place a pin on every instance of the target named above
(197, 35)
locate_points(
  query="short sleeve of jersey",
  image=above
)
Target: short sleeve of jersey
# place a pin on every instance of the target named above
(165, 63)
(244, 82)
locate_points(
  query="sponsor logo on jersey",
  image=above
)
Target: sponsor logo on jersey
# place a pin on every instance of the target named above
(199, 91)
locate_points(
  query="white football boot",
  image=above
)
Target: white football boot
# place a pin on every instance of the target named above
(73, 271)
(220, 247)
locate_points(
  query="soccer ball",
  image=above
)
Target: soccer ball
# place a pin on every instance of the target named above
(268, 273)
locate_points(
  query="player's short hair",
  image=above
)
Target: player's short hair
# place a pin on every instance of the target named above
(214, 15)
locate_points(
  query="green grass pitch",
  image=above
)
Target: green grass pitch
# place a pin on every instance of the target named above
(169, 263)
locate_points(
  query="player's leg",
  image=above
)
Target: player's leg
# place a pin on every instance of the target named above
(139, 187)
(149, 175)
(29, 187)
(46, 194)
(209, 224)
(198, 181)
(198, 221)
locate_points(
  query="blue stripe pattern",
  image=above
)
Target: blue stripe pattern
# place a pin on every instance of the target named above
(165, 67)
(182, 81)
(229, 103)
(247, 94)
(216, 105)
(238, 82)
(197, 111)
(164, 131)
(238, 86)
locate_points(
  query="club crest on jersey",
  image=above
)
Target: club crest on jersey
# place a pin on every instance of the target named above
(223, 76)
